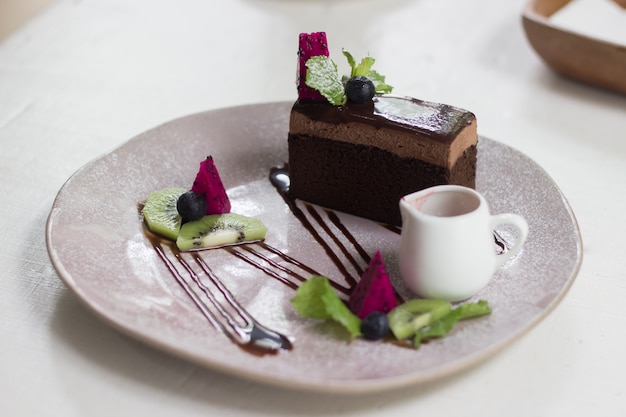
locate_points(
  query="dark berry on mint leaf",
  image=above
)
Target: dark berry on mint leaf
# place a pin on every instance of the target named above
(360, 89)
(191, 206)
(375, 326)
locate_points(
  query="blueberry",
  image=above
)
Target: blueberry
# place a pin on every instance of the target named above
(360, 89)
(191, 206)
(375, 326)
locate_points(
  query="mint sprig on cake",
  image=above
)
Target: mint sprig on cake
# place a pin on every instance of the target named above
(321, 74)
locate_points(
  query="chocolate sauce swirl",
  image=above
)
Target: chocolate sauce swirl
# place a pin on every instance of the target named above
(251, 334)
(279, 177)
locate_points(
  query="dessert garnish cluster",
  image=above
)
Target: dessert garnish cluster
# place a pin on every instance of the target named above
(373, 313)
(322, 74)
(200, 217)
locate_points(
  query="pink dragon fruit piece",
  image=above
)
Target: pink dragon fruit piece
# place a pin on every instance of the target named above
(209, 184)
(374, 292)
(310, 44)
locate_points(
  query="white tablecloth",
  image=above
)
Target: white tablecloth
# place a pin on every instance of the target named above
(83, 77)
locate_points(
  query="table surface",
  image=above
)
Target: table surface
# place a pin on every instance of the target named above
(82, 78)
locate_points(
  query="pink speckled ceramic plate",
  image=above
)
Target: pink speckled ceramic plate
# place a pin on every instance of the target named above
(97, 245)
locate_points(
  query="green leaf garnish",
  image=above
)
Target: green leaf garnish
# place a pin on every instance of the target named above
(363, 68)
(351, 61)
(379, 82)
(322, 75)
(417, 319)
(316, 299)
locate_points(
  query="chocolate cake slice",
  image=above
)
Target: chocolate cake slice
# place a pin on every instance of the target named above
(362, 157)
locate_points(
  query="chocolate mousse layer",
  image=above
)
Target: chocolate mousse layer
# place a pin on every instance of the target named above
(362, 158)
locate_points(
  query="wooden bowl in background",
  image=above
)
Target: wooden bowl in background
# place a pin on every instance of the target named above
(575, 55)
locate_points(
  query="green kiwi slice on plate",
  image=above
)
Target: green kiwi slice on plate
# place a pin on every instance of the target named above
(160, 213)
(210, 231)
(217, 230)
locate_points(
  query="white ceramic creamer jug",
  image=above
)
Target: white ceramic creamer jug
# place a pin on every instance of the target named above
(447, 246)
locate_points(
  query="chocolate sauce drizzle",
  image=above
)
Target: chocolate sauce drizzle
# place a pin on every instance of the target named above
(501, 244)
(273, 268)
(279, 177)
(223, 311)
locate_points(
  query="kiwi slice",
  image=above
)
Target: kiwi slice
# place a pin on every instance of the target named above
(160, 212)
(406, 319)
(217, 230)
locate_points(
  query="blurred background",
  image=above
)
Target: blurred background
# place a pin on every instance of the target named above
(13, 13)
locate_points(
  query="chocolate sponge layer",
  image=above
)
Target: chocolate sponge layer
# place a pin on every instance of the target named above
(364, 180)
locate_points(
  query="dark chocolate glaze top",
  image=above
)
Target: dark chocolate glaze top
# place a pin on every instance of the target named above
(438, 121)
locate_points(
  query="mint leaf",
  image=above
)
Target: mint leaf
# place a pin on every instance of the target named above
(379, 82)
(376, 77)
(358, 70)
(323, 76)
(351, 61)
(364, 67)
(339, 312)
(383, 88)
(307, 300)
(316, 299)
